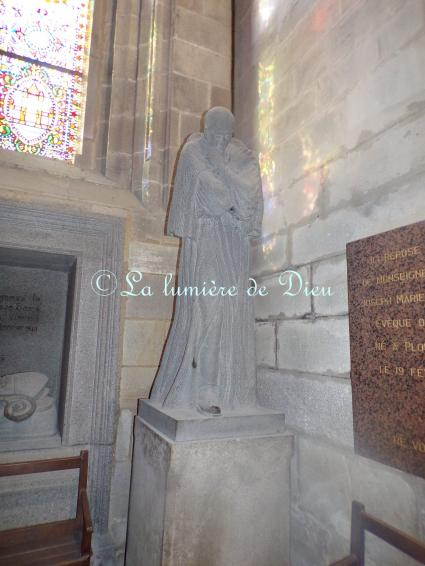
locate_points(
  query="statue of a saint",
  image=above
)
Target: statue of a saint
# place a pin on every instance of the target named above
(216, 208)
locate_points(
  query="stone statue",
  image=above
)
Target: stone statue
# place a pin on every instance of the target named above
(217, 206)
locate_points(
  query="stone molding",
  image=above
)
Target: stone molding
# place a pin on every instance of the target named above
(91, 402)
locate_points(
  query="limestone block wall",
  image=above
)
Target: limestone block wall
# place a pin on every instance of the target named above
(146, 321)
(158, 65)
(331, 93)
(201, 75)
(184, 69)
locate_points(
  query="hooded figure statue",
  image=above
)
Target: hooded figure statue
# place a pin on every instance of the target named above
(217, 206)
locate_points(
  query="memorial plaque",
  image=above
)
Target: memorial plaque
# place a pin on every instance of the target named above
(386, 276)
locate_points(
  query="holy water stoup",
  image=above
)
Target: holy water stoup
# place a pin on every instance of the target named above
(217, 206)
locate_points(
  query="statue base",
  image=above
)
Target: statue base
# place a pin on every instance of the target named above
(209, 492)
(189, 424)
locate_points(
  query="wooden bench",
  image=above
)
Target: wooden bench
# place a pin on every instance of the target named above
(61, 543)
(362, 522)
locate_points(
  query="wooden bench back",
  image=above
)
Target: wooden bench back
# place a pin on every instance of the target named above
(36, 466)
(362, 522)
(82, 517)
(55, 464)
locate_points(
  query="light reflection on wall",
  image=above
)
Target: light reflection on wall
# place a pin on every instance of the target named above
(149, 105)
(266, 86)
(268, 245)
(317, 172)
(265, 9)
(150, 84)
(320, 17)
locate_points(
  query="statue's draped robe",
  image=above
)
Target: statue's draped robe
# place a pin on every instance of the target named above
(211, 345)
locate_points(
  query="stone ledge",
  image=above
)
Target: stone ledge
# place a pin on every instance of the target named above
(185, 424)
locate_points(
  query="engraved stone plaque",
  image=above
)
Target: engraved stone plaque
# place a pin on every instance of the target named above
(386, 293)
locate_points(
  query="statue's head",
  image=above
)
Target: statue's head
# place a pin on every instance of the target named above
(219, 126)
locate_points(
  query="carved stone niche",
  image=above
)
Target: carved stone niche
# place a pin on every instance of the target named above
(58, 343)
(36, 297)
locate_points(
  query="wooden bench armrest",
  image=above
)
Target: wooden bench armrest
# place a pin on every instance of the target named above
(87, 523)
(362, 522)
(396, 538)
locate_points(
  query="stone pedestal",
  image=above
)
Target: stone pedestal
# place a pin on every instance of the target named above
(204, 496)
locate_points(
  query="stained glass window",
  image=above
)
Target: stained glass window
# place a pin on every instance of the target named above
(44, 48)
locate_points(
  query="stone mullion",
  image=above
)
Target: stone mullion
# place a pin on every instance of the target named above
(119, 154)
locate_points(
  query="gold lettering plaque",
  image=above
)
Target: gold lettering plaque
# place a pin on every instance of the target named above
(387, 343)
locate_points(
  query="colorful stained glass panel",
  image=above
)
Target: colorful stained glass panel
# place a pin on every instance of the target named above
(50, 31)
(43, 68)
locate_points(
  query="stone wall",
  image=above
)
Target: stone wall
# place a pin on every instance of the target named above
(331, 93)
(113, 177)
(184, 69)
